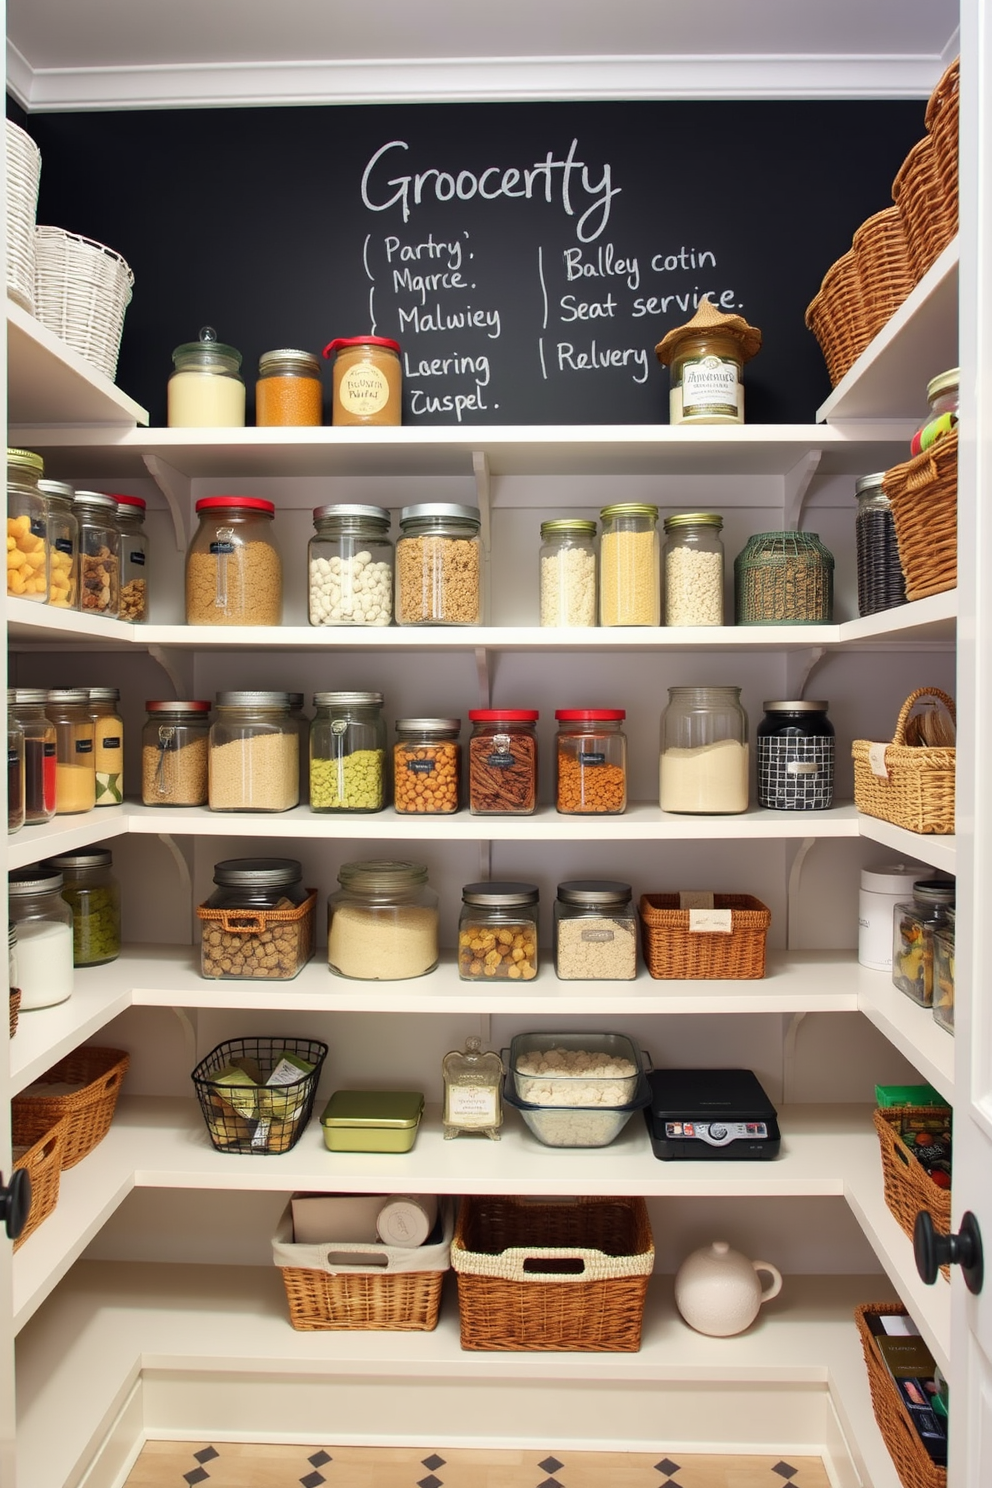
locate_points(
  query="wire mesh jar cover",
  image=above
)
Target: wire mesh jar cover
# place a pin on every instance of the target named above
(784, 578)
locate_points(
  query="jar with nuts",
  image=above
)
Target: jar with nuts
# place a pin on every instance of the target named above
(99, 553)
(259, 921)
(426, 765)
(350, 566)
(497, 932)
(134, 558)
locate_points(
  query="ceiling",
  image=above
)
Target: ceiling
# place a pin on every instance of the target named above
(66, 54)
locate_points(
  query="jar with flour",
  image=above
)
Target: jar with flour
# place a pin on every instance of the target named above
(382, 924)
(704, 752)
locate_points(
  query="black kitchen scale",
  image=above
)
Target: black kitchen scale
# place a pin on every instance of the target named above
(720, 1114)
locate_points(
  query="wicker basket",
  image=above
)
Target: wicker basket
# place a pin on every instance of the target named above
(917, 792)
(23, 176)
(326, 1290)
(246, 925)
(928, 208)
(550, 1276)
(923, 495)
(15, 1009)
(44, 1141)
(674, 951)
(89, 1111)
(838, 319)
(82, 290)
(908, 1453)
(908, 1186)
(886, 271)
(942, 125)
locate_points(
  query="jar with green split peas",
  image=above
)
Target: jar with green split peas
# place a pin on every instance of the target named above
(15, 770)
(63, 545)
(943, 974)
(28, 707)
(174, 753)
(27, 527)
(914, 925)
(68, 708)
(108, 745)
(347, 752)
(94, 896)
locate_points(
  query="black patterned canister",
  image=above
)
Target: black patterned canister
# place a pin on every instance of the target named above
(796, 757)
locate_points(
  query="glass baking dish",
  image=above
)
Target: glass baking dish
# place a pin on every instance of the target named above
(561, 1086)
(578, 1126)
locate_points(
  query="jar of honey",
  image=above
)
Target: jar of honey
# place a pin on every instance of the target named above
(367, 381)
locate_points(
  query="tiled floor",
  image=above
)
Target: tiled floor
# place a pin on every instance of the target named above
(234, 1465)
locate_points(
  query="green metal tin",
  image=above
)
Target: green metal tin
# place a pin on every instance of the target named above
(372, 1120)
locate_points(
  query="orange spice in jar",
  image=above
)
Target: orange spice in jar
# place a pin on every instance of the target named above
(426, 766)
(288, 391)
(368, 383)
(591, 754)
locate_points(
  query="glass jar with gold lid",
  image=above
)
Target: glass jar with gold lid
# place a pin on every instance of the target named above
(27, 529)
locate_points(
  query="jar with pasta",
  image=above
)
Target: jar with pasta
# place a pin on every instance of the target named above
(439, 565)
(134, 558)
(233, 571)
(629, 565)
(347, 752)
(426, 766)
(568, 572)
(27, 527)
(99, 554)
(502, 769)
(693, 569)
(382, 924)
(63, 544)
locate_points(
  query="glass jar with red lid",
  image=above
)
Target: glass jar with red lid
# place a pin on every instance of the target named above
(367, 381)
(502, 762)
(233, 571)
(591, 761)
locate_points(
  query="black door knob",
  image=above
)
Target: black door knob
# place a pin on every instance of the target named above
(933, 1250)
(15, 1202)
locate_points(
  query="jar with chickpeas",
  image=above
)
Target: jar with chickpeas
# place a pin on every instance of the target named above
(27, 527)
(497, 932)
(426, 766)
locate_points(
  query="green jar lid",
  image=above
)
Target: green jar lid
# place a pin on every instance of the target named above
(694, 519)
(26, 459)
(577, 526)
(629, 509)
(375, 1110)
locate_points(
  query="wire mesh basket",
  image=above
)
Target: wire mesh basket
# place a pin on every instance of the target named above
(23, 176)
(784, 578)
(82, 290)
(250, 1115)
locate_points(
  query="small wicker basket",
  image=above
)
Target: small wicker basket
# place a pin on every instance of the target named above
(928, 208)
(886, 272)
(674, 951)
(43, 1143)
(82, 290)
(837, 317)
(923, 495)
(908, 1453)
(88, 1111)
(917, 789)
(23, 177)
(908, 1186)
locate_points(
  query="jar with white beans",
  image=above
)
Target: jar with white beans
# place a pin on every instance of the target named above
(693, 569)
(350, 566)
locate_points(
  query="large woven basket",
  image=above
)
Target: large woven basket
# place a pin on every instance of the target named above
(917, 790)
(550, 1276)
(886, 271)
(908, 1453)
(923, 495)
(23, 177)
(82, 290)
(674, 951)
(837, 317)
(927, 204)
(908, 1187)
(942, 125)
(89, 1111)
(44, 1142)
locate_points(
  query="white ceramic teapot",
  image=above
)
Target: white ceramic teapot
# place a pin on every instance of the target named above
(717, 1290)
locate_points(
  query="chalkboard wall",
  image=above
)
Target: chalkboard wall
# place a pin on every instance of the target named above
(527, 257)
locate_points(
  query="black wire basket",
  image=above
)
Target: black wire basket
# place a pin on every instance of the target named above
(245, 1114)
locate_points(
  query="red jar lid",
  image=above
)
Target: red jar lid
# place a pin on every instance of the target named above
(591, 715)
(225, 503)
(334, 346)
(128, 500)
(503, 715)
(186, 706)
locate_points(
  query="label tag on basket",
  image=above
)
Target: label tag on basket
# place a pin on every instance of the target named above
(714, 921)
(876, 758)
(696, 899)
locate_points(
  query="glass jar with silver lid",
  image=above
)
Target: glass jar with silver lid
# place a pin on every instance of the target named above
(595, 931)
(497, 932)
(347, 752)
(99, 553)
(63, 544)
(254, 753)
(350, 566)
(439, 565)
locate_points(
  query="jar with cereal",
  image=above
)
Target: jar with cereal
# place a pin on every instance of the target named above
(497, 932)
(134, 558)
(63, 545)
(502, 762)
(693, 569)
(426, 765)
(350, 566)
(258, 923)
(591, 756)
(99, 553)
(568, 573)
(27, 529)
(595, 931)
(174, 753)
(439, 565)
(253, 763)
(347, 752)
(233, 571)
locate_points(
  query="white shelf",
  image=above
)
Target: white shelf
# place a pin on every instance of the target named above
(911, 1029)
(939, 851)
(46, 1035)
(50, 383)
(66, 834)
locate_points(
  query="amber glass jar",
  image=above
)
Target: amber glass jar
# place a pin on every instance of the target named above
(288, 391)
(368, 382)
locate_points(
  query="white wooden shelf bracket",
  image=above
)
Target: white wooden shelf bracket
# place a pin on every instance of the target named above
(800, 666)
(795, 884)
(170, 663)
(176, 488)
(796, 483)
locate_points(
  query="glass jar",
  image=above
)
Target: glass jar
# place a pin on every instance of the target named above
(881, 583)
(596, 931)
(502, 762)
(943, 973)
(62, 528)
(350, 566)
(134, 558)
(206, 389)
(795, 748)
(15, 770)
(382, 924)
(94, 896)
(43, 921)
(497, 932)
(704, 753)
(347, 752)
(913, 926)
(693, 569)
(439, 565)
(68, 708)
(99, 553)
(568, 573)
(784, 578)
(427, 761)
(942, 396)
(39, 753)
(707, 379)
(253, 926)
(108, 745)
(288, 392)
(591, 761)
(472, 1091)
(27, 527)
(233, 571)
(367, 381)
(629, 565)
(253, 763)
(174, 753)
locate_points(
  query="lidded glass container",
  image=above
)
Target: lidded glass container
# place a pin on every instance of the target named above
(704, 752)
(472, 1091)
(27, 527)
(591, 761)
(568, 573)
(347, 752)
(693, 569)
(62, 528)
(502, 762)
(174, 753)
(254, 753)
(881, 583)
(367, 381)
(942, 396)
(439, 565)
(99, 553)
(233, 570)
(943, 973)
(706, 356)
(795, 748)
(596, 931)
(43, 922)
(288, 391)
(206, 389)
(94, 896)
(108, 745)
(497, 932)
(427, 760)
(784, 578)
(382, 924)
(629, 565)
(253, 926)
(350, 566)
(28, 707)
(68, 708)
(15, 770)
(914, 924)
(134, 558)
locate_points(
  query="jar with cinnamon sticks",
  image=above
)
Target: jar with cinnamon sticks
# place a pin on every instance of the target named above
(502, 755)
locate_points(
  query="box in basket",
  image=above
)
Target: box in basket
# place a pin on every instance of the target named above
(903, 1389)
(910, 782)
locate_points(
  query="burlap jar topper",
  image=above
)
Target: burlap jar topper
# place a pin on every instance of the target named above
(709, 320)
